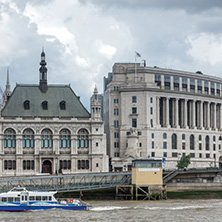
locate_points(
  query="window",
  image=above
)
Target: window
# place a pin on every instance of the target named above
(151, 122)
(192, 142)
(116, 123)
(151, 99)
(200, 146)
(28, 165)
(45, 105)
(26, 105)
(200, 137)
(153, 154)
(152, 135)
(164, 154)
(83, 139)
(10, 164)
(134, 122)
(116, 112)
(214, 147)
(9, 139)
(28, 139)
(62, 105)
(199, 86)
(164, 145)
(167, 82)
(116, 154)
(214, 138)
(151, 110)
(116, 134)
(183, 137)
(116, 144)
(139, 133)
(174, 141)
(116, 88)
(140, 144)
(183, 146)
(174, 154)
(65, 164)
(207, 155)
(207, 143)
(83, 164)
(164, 136)
(116, 101)
(64, 139)
(200, 155)
(133, 99)
(134, 110)
(152, 144)
(46, 139)
(192, 155)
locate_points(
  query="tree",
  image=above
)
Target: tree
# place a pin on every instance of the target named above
(183, 162)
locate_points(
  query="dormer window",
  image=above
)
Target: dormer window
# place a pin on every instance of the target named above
(63, 105)
(26, 105)
(45, 105)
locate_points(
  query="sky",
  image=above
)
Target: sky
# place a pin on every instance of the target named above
(82, 39)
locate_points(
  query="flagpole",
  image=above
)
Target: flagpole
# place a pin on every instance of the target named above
(135, 69)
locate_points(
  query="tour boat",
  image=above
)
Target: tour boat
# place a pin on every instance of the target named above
(20, 199)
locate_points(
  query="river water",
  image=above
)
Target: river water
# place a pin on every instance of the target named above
(130, 211)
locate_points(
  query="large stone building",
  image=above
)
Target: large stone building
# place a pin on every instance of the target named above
(162, 113)
(46, 129)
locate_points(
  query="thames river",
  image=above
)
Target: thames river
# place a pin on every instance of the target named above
(168, 210)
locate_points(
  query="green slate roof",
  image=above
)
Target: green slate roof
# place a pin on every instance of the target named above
(54, 95)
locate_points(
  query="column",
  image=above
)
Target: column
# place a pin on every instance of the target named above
(194, 114)
(73, 145)
(220, 116)
(208, 115)
(157, 111)
(215, 116)
(162, 81)
(167, 111)
(176, 112)
(185, 113)
(201, 114)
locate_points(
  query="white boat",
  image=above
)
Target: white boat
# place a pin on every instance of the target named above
(20, 199)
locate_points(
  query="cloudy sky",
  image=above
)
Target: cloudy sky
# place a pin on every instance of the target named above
(82, 39)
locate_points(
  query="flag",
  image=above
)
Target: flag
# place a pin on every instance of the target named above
(137, 54)
(81, 194)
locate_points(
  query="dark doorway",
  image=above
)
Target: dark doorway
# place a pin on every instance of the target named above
(47, 167)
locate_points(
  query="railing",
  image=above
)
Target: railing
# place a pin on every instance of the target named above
(64, 183)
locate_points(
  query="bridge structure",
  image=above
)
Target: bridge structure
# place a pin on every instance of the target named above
(64, 183)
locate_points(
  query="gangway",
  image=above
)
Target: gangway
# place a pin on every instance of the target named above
(63, 183)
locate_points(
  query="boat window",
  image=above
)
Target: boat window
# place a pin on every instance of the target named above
(50, 198)
(10, 199)
(38, 197)
(4, 199)
(44, 198)
(17, 199)
(22, 197)
(32, 198)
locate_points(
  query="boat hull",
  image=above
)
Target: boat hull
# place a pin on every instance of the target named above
(31, 208)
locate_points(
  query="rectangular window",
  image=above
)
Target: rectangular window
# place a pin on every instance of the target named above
(134, 122)
(200, 155)
(207, 155)
(116, 123)
(133, 99)
(79, 164)
(151, 99)
(116, 101)
(134, 110)
(152, 144)
(151, 122)
(183, 146)
(192, 155)
(151, 110)
(200, 146)
(164, 145)
(116, 112)
(153, 154)
(152, 135)
(139, 133)
(140, 144)
(116, 134)
(87, 164)
(164, 154)
(174, 154)
(214, 147)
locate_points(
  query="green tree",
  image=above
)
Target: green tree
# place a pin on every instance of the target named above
(183, 162)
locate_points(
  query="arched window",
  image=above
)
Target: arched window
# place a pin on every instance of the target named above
(64, 139)
(183, 137)
(174, 141)
(164, 136)
(200, 137)
(207, 143)
(192, 142)
(62, 105)
(28, 139)
(45, 105)
(26, 105)
(83, 139)
(46, 141)
(9, 139)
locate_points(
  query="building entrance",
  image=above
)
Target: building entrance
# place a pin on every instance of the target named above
(47, 167)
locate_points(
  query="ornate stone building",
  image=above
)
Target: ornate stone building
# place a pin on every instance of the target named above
(46, 129)
(162, 113)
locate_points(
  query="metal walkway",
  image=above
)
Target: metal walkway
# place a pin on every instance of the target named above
(65, 183)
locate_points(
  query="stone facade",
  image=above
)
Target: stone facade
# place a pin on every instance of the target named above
(45, 129)
(162, 113)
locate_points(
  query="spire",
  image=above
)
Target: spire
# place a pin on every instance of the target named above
(43, 73)
(7, 87)
(95, 106)
(95, 92)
